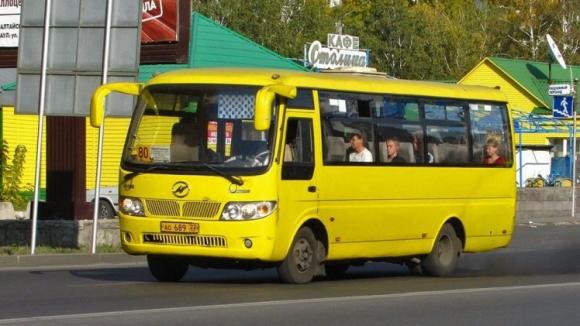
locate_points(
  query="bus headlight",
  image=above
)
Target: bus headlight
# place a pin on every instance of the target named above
(131, 206)
(242, 211)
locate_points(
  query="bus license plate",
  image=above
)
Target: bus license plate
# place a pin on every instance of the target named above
(179, 227)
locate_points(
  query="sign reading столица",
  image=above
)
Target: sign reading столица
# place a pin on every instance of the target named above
(9, 23)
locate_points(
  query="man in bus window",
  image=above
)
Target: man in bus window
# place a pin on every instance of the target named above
(359, 152)
(393, 148)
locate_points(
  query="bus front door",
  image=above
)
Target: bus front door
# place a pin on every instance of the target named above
(298, 193)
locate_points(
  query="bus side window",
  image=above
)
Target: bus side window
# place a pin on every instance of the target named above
(298, 150)
(446, 132)
(488, 123)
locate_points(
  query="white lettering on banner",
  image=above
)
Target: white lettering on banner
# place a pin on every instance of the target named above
(149, 6)
(343, 41)
(326, 58)
(154, 8)
(10, 7)
(559, 89)
(9, 22)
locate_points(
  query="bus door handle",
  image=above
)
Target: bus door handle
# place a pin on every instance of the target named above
(311, 188)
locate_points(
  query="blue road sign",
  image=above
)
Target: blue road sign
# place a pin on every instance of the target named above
(563, 106)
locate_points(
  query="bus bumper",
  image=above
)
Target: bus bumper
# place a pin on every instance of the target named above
(247, 240)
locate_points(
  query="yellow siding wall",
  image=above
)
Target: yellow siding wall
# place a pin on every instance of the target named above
(22, 129)
(486, 74)
(115, 132)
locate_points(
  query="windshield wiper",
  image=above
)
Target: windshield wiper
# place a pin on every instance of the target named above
(185, 164)
(231, 178)
(145, 170)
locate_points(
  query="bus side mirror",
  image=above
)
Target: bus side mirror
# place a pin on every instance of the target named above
(264, 100)
(101, 93)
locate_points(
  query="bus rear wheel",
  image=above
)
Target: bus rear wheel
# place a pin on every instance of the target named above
(302, 262)
(167, 268)
(445, 254)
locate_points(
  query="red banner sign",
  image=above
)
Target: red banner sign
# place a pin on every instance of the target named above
(159, 22)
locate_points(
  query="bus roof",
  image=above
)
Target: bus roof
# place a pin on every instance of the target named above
(321, 81)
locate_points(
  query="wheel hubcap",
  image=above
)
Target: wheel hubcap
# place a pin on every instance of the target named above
(445, 250)
(303, 255)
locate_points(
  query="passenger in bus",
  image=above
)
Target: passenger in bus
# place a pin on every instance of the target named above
(492, 155)
(359, 152)
(393, 148)
(417, 143)
(290, 154)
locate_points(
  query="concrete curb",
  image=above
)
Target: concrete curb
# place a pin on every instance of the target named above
(67, 260)
(558, 221)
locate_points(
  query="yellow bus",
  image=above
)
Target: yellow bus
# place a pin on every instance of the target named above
(311, 173)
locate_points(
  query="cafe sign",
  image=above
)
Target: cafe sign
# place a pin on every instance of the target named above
(341, 51)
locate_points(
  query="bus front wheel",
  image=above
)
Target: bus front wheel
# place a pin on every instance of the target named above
(445, 254)
(302, 262)
(167, 268)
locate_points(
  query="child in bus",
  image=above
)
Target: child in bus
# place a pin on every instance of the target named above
(359, 152)
(492, 155)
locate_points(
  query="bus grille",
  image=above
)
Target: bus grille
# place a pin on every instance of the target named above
(201, 209)
(210, 241)
(189, 209)
(163, 207)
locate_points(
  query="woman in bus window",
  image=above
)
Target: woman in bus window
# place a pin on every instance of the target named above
(492, 155)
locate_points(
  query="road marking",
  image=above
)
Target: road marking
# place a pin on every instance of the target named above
(57, 268)
(286, 302)
(83, 285)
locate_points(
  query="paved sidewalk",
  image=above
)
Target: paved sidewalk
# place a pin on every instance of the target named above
(28, 261)
(562, 220)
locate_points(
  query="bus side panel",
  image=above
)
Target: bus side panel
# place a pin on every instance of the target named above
(366, 205)
(379, 249)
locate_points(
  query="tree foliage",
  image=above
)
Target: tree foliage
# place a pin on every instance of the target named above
(418, 39)
(12, 170)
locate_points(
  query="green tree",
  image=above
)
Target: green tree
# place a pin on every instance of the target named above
(415, 39)
(281, 25)
(12, 175)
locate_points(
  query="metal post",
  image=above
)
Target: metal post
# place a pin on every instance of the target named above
(41, 107)
(101, 130)
(521, 155)
(575, 101)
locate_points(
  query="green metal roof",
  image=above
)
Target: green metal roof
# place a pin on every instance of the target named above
(147, 72)
(533, 75)
(213, 45)
(9, 86)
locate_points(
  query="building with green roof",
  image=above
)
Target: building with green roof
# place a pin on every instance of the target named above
(525, 84)
(214, 45)
(211, 45)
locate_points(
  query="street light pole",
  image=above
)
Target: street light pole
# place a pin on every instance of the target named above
(101, 129)
(39, 136)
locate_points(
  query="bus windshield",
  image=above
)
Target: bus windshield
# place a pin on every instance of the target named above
(208, 127)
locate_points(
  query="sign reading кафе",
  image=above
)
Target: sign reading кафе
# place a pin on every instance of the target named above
(9, 23)
(342, 51)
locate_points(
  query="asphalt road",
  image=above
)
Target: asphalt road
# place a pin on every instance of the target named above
(534, 282)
